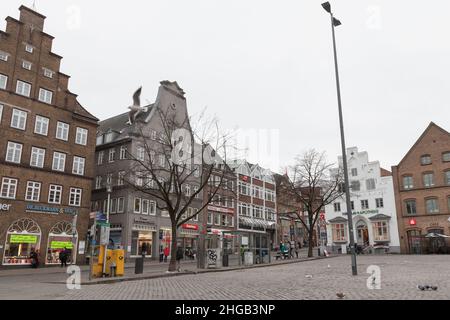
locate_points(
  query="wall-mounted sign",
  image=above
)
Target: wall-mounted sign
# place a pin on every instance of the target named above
(412, 222)
(50, 210)
(5, 207)
(61, 245)
(362, 212)
(143, 220)
(81, 247)
(17, 238)
(190, 227)
(222, 210)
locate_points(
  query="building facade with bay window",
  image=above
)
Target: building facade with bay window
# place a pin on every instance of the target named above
(136, 217)
(46, 151)
(373, 208)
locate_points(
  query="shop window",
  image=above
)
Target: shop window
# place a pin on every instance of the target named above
(62, 236)
(138, 239)
(339, 232)
(381, 231)
(22, 238)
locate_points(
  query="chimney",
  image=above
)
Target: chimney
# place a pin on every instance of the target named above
(32, 18)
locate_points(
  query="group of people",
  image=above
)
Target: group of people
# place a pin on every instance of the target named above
(64, 256)
(287, 249)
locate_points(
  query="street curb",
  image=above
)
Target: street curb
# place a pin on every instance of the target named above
(176, 274)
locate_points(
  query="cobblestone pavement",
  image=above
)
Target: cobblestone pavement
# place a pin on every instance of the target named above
(320, 279)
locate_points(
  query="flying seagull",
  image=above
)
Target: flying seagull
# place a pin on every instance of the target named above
(135, 109)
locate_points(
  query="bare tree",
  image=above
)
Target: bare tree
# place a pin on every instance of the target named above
(316, 184)
(176, 168)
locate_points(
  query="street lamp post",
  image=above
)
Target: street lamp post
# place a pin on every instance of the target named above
(109, 191)
(335, 23)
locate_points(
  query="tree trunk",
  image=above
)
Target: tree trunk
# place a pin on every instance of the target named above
(310, 241)
(173, 250)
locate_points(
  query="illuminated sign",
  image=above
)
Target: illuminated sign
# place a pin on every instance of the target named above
(61, 245)
(16, 238)
(412, 222)
(223, 210)
(190, 226)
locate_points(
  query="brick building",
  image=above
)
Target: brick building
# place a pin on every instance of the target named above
(422, 193)
(47, 149)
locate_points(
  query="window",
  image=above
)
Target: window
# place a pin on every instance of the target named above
(81, 136)
(48, 73)
(217, 219)
(270, 195)
(352, 203)
(3, 81)
(139, 179)
(23, 88)
(364, 204)
(3, 56)
(145, 206)
(120, 180)
(210, 218)
(244, 188)
(120, 205)
(14, 152)
(162, 160)
(425, 159)
(140, 154)
(37, 157)
(187, 190)
(338, 232)
(258, 192)
(411, 207)
(355, 185)
(123, 152)
(337, 207)
(379, 203)
(59, 161)
(428, 179)
(137, 205)
(113, 207)
(196, 172)
(75, 197)
(354, 172)
(62, 131)
(99, 140)
(370, 184)
(408, 182)
(19, 119)
(244, 209)
(33, 191)
(29, 48)
(41, 125)
(26, 65)
(78, 166)
(112, 155)
(257, 212)
(54, 194)
(152, 208)
(101, 154)
(9, 188)
(432, 205)
(197, 195)
(109, 178)
(98, 182)
(446, 157)
(153, 135)
(380, 230)
(447, 177)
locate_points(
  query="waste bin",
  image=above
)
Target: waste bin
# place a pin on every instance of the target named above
(225, 260)
(119, 259)
(248, 258)
(139, 266)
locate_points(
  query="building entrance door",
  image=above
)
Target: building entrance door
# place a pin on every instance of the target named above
(363, 234)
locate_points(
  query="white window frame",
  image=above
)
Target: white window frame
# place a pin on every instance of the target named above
(33, 192)
(121, 178)
(45, 96)
(101, 155)
(79, 164)
(23, 88)
(26, 65)
(111, 155)
(120, 209)
(29, 48)
(140, 205)
(4, 56)
(98, 182)
(123, 152)
(11, 188)
(140, 153)
(62, 131)
(1, 112)
(41, 125)
(75, 196)
(48, 73)
(37, 154)
(81, 136)
(20, 117)
(145, 206)
(152, 208)
(54, 190)
(3, 81)
(61, 159)
(14, 152)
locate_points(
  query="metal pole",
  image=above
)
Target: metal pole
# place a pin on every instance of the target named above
(344, 158)
(106, 244)
(91, 259)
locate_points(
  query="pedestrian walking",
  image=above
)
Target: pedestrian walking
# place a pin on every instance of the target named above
(297, 249)
(166, 253)
(179, 257)
(34, 259)
(63, 257)
(161, 254)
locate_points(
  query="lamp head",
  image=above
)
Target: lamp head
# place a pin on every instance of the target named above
(336, 22)
(327, 6)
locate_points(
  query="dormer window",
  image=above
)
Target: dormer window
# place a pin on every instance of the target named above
(29, 48)
(26, 65)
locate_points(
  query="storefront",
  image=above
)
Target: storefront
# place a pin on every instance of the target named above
(61, 237)
(188, 240)
(115, 237)
(22, 238)
(142, 234)
(165, 242)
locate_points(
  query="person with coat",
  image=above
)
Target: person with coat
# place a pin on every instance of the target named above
(179, 257)
(63, 255)
(166, 253)
(34, 259)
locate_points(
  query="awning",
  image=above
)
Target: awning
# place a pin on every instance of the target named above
(436, 235)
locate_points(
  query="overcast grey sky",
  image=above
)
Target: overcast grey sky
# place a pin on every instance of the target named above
(267, 65)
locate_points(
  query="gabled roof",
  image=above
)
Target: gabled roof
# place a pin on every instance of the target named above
(430, 126)
(338, 220)
(84, 113)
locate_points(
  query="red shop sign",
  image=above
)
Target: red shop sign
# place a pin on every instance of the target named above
(190, 226)
(412, 222)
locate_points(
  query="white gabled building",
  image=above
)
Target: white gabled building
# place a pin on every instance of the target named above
(373, 208)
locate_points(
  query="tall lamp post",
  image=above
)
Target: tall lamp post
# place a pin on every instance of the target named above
(335, 23)
(109, 191)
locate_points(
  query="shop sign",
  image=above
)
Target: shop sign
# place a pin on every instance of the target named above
(190, 227)
(223, 210)
(362, 212)
(5, 207)
(412, 222)
(143, 220)
(50, 210)
(15, 238)
(61, 245)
